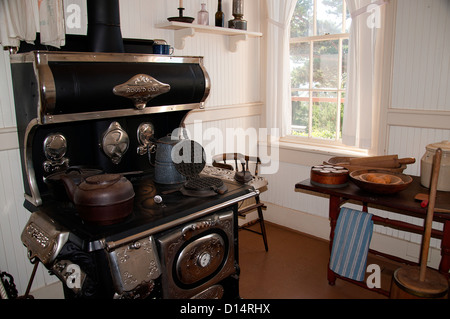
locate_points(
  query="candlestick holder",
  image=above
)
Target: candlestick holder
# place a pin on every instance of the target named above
(181, 18)
(238, 13)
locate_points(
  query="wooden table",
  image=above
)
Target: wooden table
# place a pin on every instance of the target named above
(400, 203)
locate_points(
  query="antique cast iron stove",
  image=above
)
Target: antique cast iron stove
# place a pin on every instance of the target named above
(99, 114)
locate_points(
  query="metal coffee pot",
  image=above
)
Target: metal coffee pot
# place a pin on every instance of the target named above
(165, 170)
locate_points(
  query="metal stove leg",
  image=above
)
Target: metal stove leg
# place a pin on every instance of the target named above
(30, 282)
(261, 223)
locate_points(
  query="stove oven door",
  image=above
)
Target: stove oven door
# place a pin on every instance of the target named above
(197, 256)
(134, 268)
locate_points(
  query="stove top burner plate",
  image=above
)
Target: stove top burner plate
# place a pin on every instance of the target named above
(203, 183)
(204, 187)
(146, 213)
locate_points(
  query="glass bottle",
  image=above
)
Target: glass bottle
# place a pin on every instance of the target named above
(203, 15)
(220, 16)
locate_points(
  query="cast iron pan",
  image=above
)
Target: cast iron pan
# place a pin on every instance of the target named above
(189, 159)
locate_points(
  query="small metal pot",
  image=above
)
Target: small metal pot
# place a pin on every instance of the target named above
(103, 199)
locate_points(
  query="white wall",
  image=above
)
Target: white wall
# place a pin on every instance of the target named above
(420, 88)
(421, 84)
(13, 217)
(422, 56)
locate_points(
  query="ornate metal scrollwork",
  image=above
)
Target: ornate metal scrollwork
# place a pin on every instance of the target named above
(55, 148)
(145, 136)
(115, 142)
(141, 88)
(134, 267)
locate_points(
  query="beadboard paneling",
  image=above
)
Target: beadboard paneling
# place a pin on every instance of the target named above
(7, 114)
(421, 75)
(420, 102)
(411, 142)
(13, 217)
(224, 136)
(281, 191)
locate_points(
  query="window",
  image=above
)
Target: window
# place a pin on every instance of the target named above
(318, 55)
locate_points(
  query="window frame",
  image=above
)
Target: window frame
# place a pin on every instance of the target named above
(310, 40)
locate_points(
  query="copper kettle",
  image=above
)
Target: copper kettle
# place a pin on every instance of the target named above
(102, 199)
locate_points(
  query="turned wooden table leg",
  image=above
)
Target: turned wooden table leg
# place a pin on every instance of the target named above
(444, 265)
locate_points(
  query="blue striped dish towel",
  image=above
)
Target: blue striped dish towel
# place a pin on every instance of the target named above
(351, 242)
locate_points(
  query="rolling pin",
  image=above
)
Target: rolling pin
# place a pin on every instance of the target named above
(385, 161)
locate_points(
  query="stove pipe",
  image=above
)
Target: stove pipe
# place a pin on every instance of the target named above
(104, 32)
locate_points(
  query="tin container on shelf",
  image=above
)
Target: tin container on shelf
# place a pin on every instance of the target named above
(426, 166)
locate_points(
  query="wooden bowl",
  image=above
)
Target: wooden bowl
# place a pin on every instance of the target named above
(397, 183)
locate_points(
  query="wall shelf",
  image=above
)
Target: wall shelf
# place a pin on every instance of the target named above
(183, 30)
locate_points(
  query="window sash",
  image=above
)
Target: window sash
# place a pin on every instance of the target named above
(317, 38)
(313, 93)
(312, 97)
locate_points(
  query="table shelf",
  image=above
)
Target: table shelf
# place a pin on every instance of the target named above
(184, 30)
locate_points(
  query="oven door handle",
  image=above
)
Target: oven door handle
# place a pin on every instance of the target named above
(193, 228)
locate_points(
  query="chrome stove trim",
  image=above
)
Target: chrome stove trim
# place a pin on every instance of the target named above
(190, 261)
(109, 246)
(35, 196)
(115, 142)
(52, 119)
(134, 264)
(67, 56)
(46, 85)
(44, 238)
(47, 90)
(213, 292)
(207, 85)
(192, 264)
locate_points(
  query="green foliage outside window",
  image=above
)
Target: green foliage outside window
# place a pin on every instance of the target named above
(318, 93)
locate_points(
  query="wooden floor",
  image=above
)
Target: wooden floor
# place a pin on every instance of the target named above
(295, 267)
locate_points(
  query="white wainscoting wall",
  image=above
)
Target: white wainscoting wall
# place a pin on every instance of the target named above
(420, 109)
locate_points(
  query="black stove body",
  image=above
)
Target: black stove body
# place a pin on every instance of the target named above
(103, 111)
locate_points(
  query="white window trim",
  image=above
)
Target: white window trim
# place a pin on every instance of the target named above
(316, 142)
(303, 143)
(305, 154)
(380, 142)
